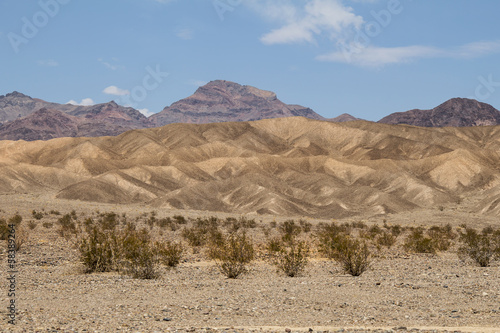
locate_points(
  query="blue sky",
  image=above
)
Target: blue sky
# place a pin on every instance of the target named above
(368, 58)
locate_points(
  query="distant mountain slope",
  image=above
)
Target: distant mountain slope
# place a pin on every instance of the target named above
(46, 124)
(285, 166)
(456, 112)
(343, 118)
(222, 101)
(20, 119)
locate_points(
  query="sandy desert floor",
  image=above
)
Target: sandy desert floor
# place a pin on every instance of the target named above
(401, 292)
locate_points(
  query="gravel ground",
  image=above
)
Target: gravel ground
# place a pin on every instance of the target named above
(400, 293)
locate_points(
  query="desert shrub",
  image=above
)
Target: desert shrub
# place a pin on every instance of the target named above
(371, 232)
(67, 226)
(55, 212)
(165, 222)
(289, 229)
(139, 256)
(305, 225)
(21, 237)
(129, 251)
(202, 231)
(481, 248)
(232, 254)
(193, 236)
(47, 225)
(330, 237)
(233, 224)
(109, 221)
(179, 219)
(99, 250)
(32, 225)
(358, 225)
(417, 242)
(37, 215)
(170, 253)
(353, 256)
(4, 229)
(396, 230)
(288, 254)
(441, 236)
(387, 239)
(16, 220)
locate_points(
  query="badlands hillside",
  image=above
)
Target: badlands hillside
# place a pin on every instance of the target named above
(285, 166)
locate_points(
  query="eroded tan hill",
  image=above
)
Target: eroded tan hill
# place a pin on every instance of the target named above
(285, 166)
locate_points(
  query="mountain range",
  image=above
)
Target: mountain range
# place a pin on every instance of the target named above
(26, 118)
(283, 166)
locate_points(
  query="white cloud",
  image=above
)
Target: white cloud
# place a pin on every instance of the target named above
(48, 63)
(146, 112)
(114, 90)
(84, 102)
(185, 34)
(372, 56)
(110, 65)
(317, 17)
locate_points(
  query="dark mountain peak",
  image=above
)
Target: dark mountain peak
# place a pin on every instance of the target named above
(15, 94)
(221, 101)
(343, 118)
(456, 112)
(458, 104)
(234, 90)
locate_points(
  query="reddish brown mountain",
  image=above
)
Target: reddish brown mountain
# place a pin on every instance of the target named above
(343, 118)
(26, 118)
(222, 101)
(46, 124)
(456, 112)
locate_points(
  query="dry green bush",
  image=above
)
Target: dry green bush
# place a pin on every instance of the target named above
(170, 253)
(139, 256)
(4, 229)
(305, 225)
(353, 256)
(202, 231)
(480, 248)
(387, 239)
(109, 221)
(441, 236)
(232, 254)
(233, 225)
(67, 226)
(289, 229)
(417, 242)
(32, 225)
(16, 220)
(37, 215)
(288, 254)
(330, 236)
(99, 250)
(179, 219)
